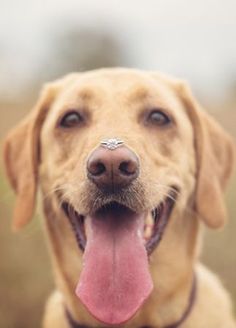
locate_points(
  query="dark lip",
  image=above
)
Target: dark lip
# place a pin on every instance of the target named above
(161, 215)
(77, 224)
(161, 218)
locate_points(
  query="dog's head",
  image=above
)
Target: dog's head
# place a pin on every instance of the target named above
(169, 160)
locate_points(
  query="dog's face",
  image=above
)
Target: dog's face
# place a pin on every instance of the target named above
(151, 121)
(121, 202)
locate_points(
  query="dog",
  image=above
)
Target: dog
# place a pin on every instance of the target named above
(129, 167)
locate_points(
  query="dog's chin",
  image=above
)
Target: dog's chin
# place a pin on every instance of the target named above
(153, 220)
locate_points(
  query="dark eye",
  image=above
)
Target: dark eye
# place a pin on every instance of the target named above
(71, 120)
(159, 118)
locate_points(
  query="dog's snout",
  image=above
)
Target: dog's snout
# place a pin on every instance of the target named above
(112, 170)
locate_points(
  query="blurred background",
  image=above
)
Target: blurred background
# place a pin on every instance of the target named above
(42, 40)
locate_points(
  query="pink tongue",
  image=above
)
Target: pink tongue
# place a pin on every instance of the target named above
(115, 280)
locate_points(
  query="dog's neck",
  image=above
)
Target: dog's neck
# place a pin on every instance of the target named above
(186, 313)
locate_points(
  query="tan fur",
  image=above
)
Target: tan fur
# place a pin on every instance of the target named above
(194, 153)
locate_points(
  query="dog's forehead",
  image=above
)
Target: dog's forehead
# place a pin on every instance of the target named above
(129, 85)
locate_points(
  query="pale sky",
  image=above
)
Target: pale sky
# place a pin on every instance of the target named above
(191, 39)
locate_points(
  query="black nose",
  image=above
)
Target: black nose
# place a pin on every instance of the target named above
(112, 170)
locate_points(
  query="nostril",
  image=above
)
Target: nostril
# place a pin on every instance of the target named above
(97, 168)
(128, 167)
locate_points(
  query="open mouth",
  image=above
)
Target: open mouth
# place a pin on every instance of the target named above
(154, 222)
(115, 280)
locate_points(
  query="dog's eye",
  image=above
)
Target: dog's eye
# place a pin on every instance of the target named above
(71, 120)
(157, 117)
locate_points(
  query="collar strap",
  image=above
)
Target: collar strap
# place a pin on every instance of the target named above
(191, 301)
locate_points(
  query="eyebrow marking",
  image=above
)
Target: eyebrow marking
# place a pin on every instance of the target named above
(138, 93)
(86, 94)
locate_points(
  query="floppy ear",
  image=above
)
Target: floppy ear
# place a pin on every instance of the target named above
(22, 153)
(21, 157)
(214, 157)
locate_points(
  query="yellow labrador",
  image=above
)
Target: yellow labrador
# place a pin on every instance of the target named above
(129, 167)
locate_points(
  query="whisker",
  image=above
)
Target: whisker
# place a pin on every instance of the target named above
(53, 191)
